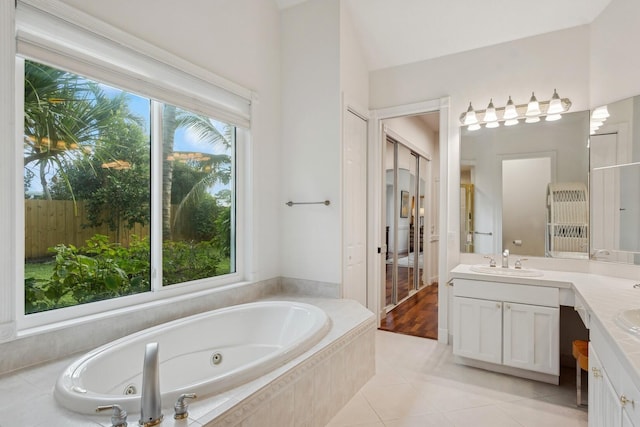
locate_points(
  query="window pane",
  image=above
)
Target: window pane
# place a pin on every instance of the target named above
(198, 196)
(87, 190)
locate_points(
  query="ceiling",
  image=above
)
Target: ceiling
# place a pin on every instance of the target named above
(397, 32)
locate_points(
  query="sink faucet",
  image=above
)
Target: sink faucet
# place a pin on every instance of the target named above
(150, 404)
(505, 258)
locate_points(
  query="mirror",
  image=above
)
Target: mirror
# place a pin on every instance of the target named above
(615, 182)
(524, 188)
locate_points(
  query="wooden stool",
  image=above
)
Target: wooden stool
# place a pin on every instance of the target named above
(581, 354)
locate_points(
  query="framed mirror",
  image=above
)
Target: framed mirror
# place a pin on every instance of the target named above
(524, 188)
(615, 182)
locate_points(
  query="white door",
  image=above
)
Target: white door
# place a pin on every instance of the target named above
(355, 208)
(524, 189)
(477, 329)
(531, 337)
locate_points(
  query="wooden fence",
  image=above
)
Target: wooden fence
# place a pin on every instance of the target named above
(51, 222)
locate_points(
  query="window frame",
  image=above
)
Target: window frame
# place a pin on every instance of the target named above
(231, 106)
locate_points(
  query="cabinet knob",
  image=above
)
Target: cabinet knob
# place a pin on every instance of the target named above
(624, 400)
(508, 306)
(596, 372)
(498, 305)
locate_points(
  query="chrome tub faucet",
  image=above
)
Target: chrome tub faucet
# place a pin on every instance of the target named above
(150, 401)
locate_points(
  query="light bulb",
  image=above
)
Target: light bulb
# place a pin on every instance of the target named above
(511, 122)
(492, 125)
(510, 111)
(533, 119)
(533, 108)
(473, 127)
(470, 116)
(490, 115)
(555, 105)
(553, 117)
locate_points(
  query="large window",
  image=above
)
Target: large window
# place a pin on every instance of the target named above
(93, 230)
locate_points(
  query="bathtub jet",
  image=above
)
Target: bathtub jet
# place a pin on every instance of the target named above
(206, 354)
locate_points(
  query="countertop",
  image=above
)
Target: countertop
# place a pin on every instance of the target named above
(603, 296)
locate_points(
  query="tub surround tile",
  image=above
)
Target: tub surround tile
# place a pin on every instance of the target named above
(309, 287)
(302, 398)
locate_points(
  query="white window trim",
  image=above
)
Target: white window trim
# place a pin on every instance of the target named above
(114, 57)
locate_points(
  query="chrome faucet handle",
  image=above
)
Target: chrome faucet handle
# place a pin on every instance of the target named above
(492, 260)
(119, 416)
(181, 408)
(518, 263)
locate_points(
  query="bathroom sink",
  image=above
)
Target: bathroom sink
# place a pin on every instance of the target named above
(629, 320)
(516, 272)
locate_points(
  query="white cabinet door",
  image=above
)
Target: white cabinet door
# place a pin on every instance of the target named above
(477, 329)
(531, 337)
(604, 405)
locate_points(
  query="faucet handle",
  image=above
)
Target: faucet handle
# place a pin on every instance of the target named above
(119, 416)
(518, 263)
(492, 260)
(181, 408)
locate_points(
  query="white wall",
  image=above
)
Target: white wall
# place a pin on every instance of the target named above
(614, 61)
(354, 74)
(310, 147)
(238, 40)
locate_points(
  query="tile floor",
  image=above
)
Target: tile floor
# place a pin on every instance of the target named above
(417, 383)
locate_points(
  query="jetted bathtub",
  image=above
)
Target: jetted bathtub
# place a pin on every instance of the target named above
(204, 354)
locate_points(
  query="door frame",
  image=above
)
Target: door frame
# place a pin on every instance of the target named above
(374, 208)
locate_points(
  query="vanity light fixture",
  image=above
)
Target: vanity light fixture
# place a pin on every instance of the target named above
(511, 113)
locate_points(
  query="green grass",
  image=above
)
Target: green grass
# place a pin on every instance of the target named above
(38, 270)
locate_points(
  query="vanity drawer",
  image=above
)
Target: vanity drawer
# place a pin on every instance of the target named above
(508, 292)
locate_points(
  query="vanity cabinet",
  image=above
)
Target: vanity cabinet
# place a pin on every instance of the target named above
(614, 400)
(507, 325)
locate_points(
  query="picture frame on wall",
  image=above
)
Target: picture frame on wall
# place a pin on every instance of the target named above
(404, 204)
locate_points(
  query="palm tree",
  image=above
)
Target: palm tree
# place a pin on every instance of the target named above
(64, 115)
(217, 166)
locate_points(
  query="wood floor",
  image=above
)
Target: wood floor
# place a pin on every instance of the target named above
(417, 316)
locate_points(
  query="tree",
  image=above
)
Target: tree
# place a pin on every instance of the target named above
(115, 180)
(63, 116)
(216, 166)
